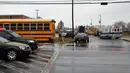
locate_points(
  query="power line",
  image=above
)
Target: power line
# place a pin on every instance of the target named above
(56, 2)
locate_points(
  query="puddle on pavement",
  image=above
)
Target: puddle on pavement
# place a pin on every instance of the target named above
(112, 49)
(81, 46)
(103, 46)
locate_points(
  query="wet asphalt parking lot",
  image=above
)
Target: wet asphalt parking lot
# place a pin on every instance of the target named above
(35, 63)
(98, 56)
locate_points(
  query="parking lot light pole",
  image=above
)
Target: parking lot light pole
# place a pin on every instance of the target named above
(37, 13)
(100, 21)
(72, 19)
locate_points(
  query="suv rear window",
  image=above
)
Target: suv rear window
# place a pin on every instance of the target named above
(81, 34)
(2, 34)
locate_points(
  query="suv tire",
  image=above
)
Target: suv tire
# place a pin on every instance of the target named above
(11, 55)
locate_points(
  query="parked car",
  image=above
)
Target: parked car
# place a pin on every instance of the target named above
(14, 37)
(13, 50)
(69, 34)
(63, 34)
(81, 37)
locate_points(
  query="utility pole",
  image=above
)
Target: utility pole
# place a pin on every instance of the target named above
(73, 19)
(91, 22)
(100, 21)
(37, 13)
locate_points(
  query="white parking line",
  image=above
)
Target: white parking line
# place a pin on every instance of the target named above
(39, 57)
(39, 62)
(41, 46)
(29, 65)
(14, 68)
(42, 54)
(2, 72)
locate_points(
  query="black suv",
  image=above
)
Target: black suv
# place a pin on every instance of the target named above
(12, 36)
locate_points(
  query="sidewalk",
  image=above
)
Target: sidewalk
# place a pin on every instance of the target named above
(126, 38)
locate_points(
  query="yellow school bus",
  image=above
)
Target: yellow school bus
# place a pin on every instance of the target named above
(39, 29)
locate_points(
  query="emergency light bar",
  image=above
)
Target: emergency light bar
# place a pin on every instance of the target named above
(2, 29)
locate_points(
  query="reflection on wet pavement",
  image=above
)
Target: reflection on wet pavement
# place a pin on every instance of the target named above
(99, 56)
(35, 63)
(100, 45)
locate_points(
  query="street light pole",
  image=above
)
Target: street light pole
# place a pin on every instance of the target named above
(100, 20)
(91, 22)
(37, 13)
(73, 19)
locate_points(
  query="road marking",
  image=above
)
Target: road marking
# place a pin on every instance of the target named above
(2, 72)
(41, 46)
(38, 62)
(42, 54)
(45, 59)
(50, 63)
(14, 68)
(96, 46)
(29, 65)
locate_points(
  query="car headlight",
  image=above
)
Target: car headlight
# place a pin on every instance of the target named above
(22, 47)
(31, 41)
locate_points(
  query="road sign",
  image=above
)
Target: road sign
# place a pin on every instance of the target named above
(60, 26)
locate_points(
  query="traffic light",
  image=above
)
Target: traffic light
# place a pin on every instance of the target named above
(104, 3)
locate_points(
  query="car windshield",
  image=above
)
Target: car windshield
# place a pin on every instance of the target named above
(3, 40)
(13, 33)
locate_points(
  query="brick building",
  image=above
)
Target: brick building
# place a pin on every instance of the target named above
(14, 17)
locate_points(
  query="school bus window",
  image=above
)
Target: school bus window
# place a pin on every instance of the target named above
(39, 26)
(46, 26)
(33, 26)
(26, 26)
(13, 26)
(6, 26)
(1, 25)
(20, 27)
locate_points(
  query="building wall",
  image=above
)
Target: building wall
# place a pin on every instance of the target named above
(14, 17)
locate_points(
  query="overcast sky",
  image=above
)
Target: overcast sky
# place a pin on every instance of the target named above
(82, 13)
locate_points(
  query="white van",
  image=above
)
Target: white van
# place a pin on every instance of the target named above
(111, 32)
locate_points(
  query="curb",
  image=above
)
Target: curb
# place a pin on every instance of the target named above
(50, 62)
(126, 40)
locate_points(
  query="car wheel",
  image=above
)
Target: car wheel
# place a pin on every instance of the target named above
(109, 37)
(76, 41)
(51, 40)
(11, 55)
(88, 39)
